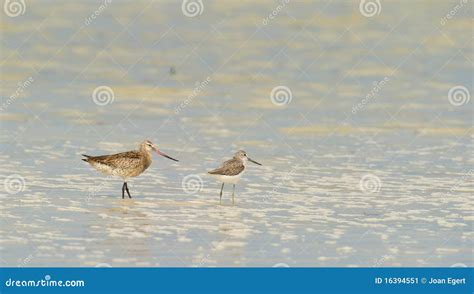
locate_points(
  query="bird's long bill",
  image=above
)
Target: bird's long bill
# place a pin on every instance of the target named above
(163, 154)
(251, 160)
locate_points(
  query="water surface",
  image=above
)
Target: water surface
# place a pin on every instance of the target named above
(387, 183)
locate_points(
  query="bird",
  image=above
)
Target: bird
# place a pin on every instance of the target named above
(126, 164)
(231, 171)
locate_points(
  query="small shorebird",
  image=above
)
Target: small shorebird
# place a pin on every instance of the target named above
(231, 171)
(126, 164)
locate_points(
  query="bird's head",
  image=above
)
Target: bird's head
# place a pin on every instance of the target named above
(148, 146)
(242, 155)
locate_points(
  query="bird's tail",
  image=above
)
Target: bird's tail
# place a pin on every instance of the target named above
(86, 159)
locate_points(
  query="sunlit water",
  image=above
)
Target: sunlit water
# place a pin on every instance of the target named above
(307, 205)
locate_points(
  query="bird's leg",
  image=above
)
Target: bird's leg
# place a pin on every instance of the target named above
(123, 191)
(233, 194)
(220, 198)
(128, 192)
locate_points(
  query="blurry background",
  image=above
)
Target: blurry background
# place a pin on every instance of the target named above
(361, 113)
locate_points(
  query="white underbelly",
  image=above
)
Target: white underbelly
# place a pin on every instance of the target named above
(228, 179)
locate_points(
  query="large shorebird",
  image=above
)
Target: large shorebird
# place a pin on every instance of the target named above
(126, 164)
(231, 171)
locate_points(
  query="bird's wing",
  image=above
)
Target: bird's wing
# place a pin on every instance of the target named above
(231, 167)
(129, 159)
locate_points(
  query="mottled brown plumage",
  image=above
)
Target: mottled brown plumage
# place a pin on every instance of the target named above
(230, 167)
(126, 164)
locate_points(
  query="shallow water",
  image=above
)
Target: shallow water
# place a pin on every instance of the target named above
(386, 183)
